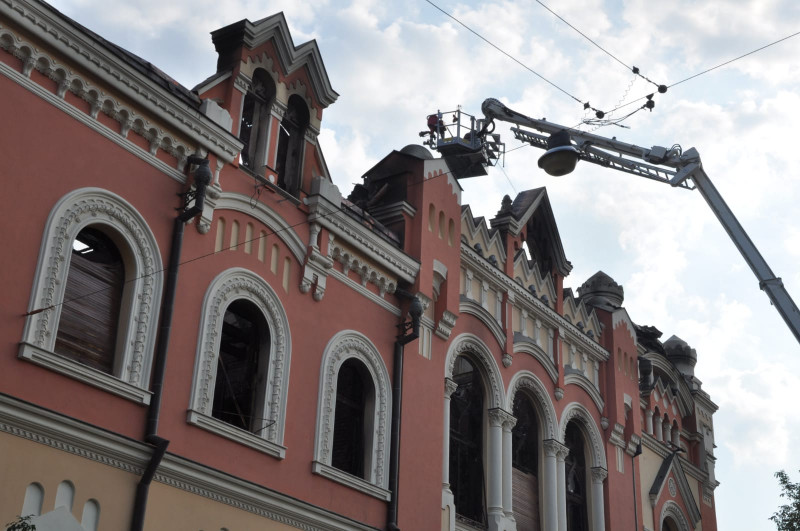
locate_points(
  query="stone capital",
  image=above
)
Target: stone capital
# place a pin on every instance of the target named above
(599, 474)
(552, 448)
(450, 387)
(499, 417)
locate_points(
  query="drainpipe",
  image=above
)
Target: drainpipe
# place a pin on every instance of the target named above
(409, 331)
(202, 178)
(633, 474)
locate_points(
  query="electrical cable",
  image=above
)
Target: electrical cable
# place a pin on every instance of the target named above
(523, 65)
(202, 256)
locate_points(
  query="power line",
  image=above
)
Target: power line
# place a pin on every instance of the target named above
(207, 255)
(523, 65)
(736, 59)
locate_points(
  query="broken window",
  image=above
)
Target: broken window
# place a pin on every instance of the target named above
(525, 465)
(87, 329)
(291, 142)
(241, 367)
(575, 468)
(466, 443)
(350, 426)
(254, 126)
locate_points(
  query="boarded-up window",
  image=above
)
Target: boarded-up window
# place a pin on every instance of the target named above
(87, 330)
(353, 388)
(525, 463)
(241, 369)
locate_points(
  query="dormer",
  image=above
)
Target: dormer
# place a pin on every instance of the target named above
(275, 93)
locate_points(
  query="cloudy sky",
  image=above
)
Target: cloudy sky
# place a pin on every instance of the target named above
(395, 62)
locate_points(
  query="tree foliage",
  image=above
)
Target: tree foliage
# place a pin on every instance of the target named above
(788, 516)
(22, 523)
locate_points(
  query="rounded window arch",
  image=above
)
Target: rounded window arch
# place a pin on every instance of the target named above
(114, 251)
(672, 518)
(254, 126)
(291, 144)
(351, 361)
(244, 353)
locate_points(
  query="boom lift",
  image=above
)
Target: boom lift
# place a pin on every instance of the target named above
(564, 146)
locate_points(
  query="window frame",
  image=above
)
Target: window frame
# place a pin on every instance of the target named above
(231, 285)
(139, 311)
(346, 345)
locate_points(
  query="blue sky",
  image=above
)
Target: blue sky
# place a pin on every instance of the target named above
(394, 63)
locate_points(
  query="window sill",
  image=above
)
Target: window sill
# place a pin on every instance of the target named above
(349, 480)
(223, 429)
(83, 373)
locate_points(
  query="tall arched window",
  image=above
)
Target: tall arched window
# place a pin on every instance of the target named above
(354, 397)
(525, 465)
(575, 467)
(241, 368)
(87, 331)
(254, 126)
(100, 259)
(291, 143)
(466, 442)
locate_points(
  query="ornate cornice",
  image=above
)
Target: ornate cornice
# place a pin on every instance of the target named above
(72, 42)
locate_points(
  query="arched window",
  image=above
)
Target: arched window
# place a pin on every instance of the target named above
(525, 465)
(354, 415)
(242, 371)
(87, 331)
(669, 525)
(241, 368)
(95, 299)
(354, 398)
(254, 126)
(575, 468)
(291, 142)
(466, 442)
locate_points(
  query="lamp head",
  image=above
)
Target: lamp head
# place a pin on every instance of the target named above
(561, 156)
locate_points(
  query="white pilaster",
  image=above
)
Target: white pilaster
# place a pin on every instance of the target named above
(495, 483)
(648, 414)
(448, 501)
(658, 424)
(598, 505)
(550, 496)
(508, 425)
(562, 487)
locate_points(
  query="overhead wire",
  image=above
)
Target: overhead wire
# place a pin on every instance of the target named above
(232, 246)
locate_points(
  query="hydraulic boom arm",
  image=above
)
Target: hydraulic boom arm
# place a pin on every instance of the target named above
(671, 166)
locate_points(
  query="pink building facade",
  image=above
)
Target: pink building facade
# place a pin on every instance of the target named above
(201, 331)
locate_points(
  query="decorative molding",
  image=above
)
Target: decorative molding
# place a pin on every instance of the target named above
(351, 262)
(51, 429)
(508, 359)
(140, 307)
(552, 448)
(83, 373)
(350, 480)
(599, 474)
(230, 285)
(468, 344)
(345, 345)
(450, 387)
(474, 308)
(358, 288)
(575, 411)
(529, 383)
(73, 42)
(673, 510)
(499, 417)
(524, 344)
(446, 324)
(579, 379)
(617, 436)
(233, 433)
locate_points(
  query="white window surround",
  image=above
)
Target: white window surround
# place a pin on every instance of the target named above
(343, 346)
(141, 301)
(230, 285)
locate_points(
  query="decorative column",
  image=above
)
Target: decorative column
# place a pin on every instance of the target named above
(658, 424)
(508, 424)
(550, 495)
(667, 432)
(485, 295)
(648, 414)
(468, 287)
(598, 512)
(676, 438)
(561, 472)
(448, 501)
(494, 492)
(449, 388)
(523, 324)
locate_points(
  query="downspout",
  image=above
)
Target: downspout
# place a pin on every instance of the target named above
(633, 474)
(408, 333)
(202, 178)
